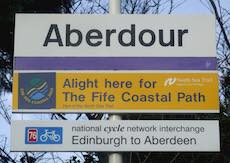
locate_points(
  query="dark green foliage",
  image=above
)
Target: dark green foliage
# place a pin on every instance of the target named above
(225, 84)
(8, 8)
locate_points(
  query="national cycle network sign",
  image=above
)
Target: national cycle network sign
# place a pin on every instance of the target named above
(43, 135)
(128, 63)
(156, 135)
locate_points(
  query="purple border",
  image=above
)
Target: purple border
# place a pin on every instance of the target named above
(115, 63)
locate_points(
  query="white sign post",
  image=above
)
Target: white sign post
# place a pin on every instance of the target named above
(114, 8)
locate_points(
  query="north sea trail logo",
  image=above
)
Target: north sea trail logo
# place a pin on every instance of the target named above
(37, 90)
(170, 81)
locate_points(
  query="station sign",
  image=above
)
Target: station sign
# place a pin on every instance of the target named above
(72, 35)
(106, 136)
(115, 63)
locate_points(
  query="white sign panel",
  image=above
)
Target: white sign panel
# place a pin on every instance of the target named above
(145, 135)
(62, 35)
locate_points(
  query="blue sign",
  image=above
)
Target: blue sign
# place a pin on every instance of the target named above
(43, 135)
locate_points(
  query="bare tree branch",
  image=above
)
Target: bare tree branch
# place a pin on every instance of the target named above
(7, 157)
(4, 112)
(220, 22)
(174, 158)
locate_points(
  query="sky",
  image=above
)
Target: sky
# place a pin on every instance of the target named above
(5, 127)
(197, 7)
(192, 6)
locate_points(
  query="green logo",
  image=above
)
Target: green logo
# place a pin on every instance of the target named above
(37, 91)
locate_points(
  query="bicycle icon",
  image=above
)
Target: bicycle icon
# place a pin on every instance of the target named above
(50, 135)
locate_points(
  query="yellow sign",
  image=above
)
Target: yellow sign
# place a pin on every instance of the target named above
(116, 92)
